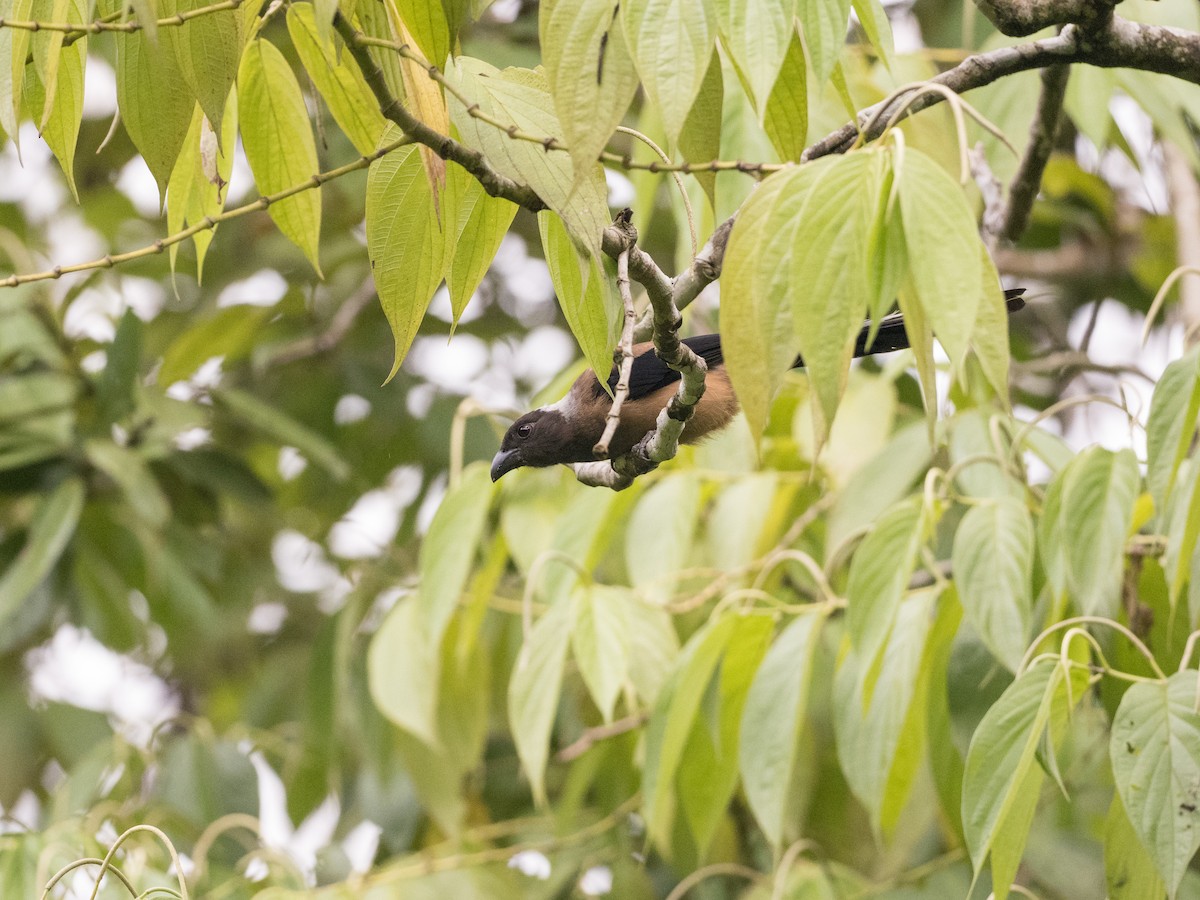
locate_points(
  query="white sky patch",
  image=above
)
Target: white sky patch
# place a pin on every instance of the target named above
(70, 239)
(99, 89)
(265, 287)
(621, 191)
(351, 408)
(419, 400)
(440, 307)
(136, 183)
(144, 296)
(532, 863)
(544, 352)
(73, 667)
(205, 378)
(504, 12)
(361, 845)
(291, 463)
(371, 524)
(528, 294)
(92, 315)
(596, 881)
(266, 618)
(33, 179)
(453, 366)
(241, 179)
(94, 362)
(300, 564)
(192, 438)
(433, 499)
(276, 829)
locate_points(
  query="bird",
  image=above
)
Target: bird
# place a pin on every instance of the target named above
(567, 431)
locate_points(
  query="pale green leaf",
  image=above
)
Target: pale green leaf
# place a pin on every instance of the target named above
(599, 642)
(282, 428)
(582, 532)
(534, 689)
(450, 547)
(1128, 869)
(672, 44)
(197, 187)
(993, 565)
(207, 49)
(155, 103)
(736, 524)
(50, 530)
(278, 138)
(756, 34)
(14, 47)
(943, 251)
(426, 22)
(402, 672)
(61, 127)
(406, 240)
(771, 722)
(1002, 778)
(1097, 512)
(481, 223)
(658, 540)
(989, 338)
(1155, 752)
(520, 96)
(700, 136)
(591, 74)
(374, 22)
(338, 79)
(673, 717)
(47, 47)
(873, 19)
(653, 647)
(1182, 517)
(708, 769)
(971, 436)
(825, 23)
(587, 300)
(879, 576)
(128, 471)
(785, 118)
(1172, 424)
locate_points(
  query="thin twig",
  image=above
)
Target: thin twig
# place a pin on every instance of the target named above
(1024, 188)
(207, 223)
(339, 326)
(75, 30)
(593, 736)
(624, 355)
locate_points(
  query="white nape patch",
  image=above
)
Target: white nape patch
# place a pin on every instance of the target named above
(136, 183)
(99, 89)
(351, 408)
(291, 463)
(621, 191)
(567, 407)
(265, 287)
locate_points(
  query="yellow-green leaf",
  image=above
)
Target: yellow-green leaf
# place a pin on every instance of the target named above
(825, 23)
(51, 528)
(481, 222)
(155, 103)
(756, 33)
(587, 302)
(672, 45)
(14, 47)
(785, 118)
(700, 138)
(989, 338)
(47, 45)
(426, 22)
(61, 131)
(406, 240)
(339, 80)
(207, 49)
(279, 143)
(197, 186)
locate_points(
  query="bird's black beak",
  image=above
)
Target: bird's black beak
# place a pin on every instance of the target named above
(505, 461)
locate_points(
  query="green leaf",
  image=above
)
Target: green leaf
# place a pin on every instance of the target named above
(207, 49)
(14, 47)
(700, 135)
(672, 43)
(879, 576)
(1002, 779)
(591, 73)
(481, 222)
(283, 429)
(118, 383)
(521, 97)
(774, 714)
(708, 770)
(881, 724)
(426, 21)
(872, 17)
(785, 118)
(155, 103)
(674, 713)
(943, 251)
(406, 240)
(658, 541)
(450, 547)
(51, 527)
(64, 108)
(756, 34)
(1172, 424)
(599, 641)
(989, 338)
(231, 333)
(1128, 869)
(1155, 752)
(534, 689)
(587, 301)
(279, 143)
(128, 470)
(338, 79)
(197, 186)
(402, 672)
(653, 648)
(825, 23)
(1183, 531)
(993, 565)
(47, 46)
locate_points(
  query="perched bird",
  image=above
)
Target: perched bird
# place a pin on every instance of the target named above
(566, 431)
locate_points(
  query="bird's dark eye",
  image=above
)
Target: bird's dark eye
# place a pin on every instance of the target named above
(524, 430)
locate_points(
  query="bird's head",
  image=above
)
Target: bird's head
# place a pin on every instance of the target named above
(543, 437)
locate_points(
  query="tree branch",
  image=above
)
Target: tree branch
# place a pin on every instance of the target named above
(1024, 188)
(339, 326)
(624, 356)
(1021, 18)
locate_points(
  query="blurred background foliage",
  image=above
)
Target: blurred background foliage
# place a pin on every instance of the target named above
(208, 502)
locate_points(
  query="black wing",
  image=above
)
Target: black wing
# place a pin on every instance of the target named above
(649, 373)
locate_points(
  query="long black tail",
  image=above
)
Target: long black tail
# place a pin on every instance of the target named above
(892, 336)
